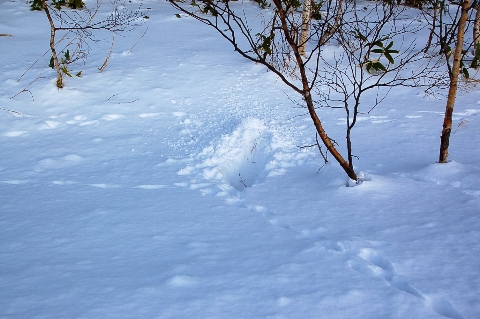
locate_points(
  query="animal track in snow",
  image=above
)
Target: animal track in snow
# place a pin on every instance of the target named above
(57, 182)
(382, 268)
(112, 117)
(372, 119)
(322, 240)
(76, 119)
(370, 263)
(413, 116)
(143, 115)
(180, 281)
(60, 162)
(50, 125)
(102, 185)
(15, 182)
(15, 133)
(443, 307)
(151, 186)
(88, 123)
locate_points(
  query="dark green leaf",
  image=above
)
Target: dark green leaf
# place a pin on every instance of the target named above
(474, 63)
(379, 66)
(389, 58)
(392, 51)
(369, 66)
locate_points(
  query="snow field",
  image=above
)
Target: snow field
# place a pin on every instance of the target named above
(172, 185)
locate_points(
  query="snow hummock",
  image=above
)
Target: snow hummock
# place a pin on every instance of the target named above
(240, 158)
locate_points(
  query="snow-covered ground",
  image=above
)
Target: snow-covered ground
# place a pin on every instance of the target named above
(172, 185)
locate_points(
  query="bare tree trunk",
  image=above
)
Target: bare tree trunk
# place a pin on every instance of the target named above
(328, 33)
(308, 97)
(326, 140)
(307, 8)
(476, 29)
(452, 92)
(52, 45)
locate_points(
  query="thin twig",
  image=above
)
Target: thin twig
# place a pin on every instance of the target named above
(104, 65)
(138, 40)
(31, 66)
(320, 149)
(11, 111)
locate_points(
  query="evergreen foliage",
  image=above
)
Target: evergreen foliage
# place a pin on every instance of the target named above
(58, 4)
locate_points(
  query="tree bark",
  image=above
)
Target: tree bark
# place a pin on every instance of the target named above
(338, 15)
(476, 28)
(307, 8)
(52, 45)
(326, 140)
(452, 92)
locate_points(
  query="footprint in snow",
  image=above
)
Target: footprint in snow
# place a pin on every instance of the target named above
(181, 281)
(105, 186)
(379, 119)
(321, 239)
(112, 117)
(150, 186)
(370, 263)
(382, 268)
(61, 182)
(180, 114)
(144, 115)
(414, 116)
(58, 162)
(15, 133)
(88, 123)
(50, 125)
(15, 182)
(372, 119)
(76, 119)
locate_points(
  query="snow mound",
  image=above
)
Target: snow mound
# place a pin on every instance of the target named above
(452, 174)
(239, 159)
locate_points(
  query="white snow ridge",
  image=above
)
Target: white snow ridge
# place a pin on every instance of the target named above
(240, 157)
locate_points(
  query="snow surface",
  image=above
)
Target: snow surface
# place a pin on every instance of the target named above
(172, 185)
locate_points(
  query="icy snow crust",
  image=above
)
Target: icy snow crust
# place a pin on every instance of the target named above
(172, 185)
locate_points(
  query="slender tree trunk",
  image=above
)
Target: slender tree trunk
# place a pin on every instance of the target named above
(52, 45)
(326, 140)
(308, 97)
(476, 28)
(338, 15)
(307, 8)
(452, 92)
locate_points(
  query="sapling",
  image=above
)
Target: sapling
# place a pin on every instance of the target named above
(297, 59)
(83, 24)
